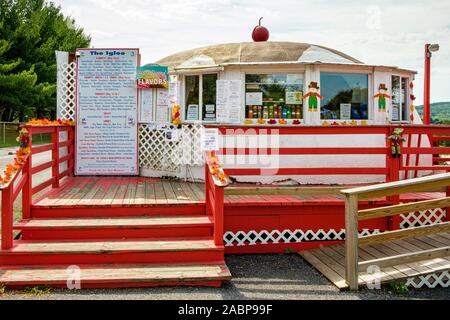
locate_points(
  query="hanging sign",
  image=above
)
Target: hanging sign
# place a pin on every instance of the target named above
(254, 98)
(294, 97)
(192, 112)
(229, 101)
(146, 112)
(107, 112)
(210, 139)
(151, 77)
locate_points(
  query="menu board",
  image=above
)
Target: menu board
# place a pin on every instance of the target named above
(229, 101)
(107, 112)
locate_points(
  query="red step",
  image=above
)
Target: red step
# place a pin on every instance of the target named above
(115, 228)
(116, 276)
(189, 251)
(109, 211)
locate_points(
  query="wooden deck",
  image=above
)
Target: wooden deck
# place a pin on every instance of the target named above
(118, 191)
(330, 261)
(139, 191)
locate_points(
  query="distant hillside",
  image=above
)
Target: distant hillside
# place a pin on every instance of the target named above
(440, 112)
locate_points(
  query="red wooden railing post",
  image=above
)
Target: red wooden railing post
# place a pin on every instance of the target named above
(27, 191)
(207, 187)
(71, 151)
(218, 216)
(394, 164)
(7, 217)
(55, 157)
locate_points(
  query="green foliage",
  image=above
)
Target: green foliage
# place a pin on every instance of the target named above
(30, 33)
(399, 288)
(290, 251)
(440, 112)
(38, 290)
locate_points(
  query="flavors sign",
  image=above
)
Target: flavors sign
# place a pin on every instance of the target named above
(151, 77)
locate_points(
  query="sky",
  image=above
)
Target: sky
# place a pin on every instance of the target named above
(378, 32)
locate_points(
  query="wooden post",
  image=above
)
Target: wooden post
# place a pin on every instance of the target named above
(218, 216)
(7, 217)
(351, 241)
(29, 185)
(26, 191)
(55, 157)
(71, 151)
(207, 182)
(393, 223)
(447, 210)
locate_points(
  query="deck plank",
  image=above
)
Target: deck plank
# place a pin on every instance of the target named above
(112, 222)
(167, 191)
(161, 196)
(180, 194)
(139, 198)
(133, 273)
(150, 197)
(109, 246)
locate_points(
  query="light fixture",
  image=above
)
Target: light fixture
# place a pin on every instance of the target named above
(433, 48)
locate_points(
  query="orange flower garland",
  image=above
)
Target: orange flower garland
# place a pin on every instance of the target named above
(216, 169)
(46, 122)
(19, 160)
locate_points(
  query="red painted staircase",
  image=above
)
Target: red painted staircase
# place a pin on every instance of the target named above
(124, 251)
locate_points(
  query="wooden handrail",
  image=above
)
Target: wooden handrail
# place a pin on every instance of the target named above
(353, 215)
(398, 187)
(11, 190)
(215, 196)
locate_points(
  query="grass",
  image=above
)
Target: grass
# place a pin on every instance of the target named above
(399, 288)
(38, 290)
(9, 135)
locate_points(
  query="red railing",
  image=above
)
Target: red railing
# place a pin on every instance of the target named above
(22, 181)
(394, 169)
(426, 141)
(214, 198)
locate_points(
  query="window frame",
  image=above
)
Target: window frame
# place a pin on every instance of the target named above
(370, 91)
(200, 100)
(274, 72)
(407, 97)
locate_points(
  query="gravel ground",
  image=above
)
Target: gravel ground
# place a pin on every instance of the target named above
(277, 277)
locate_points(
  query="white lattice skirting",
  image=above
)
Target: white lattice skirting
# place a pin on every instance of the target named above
(423, 218)
(157, 153)
(430, 281)
(265, 237)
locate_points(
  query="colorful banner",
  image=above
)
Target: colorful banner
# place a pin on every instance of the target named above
(107, 142)
(150, 77)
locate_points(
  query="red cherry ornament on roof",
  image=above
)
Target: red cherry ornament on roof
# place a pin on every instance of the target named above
(260, 33)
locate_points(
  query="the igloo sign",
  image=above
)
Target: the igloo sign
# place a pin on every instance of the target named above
(107, 112)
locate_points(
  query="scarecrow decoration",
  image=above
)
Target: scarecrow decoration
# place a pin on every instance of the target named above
(313, 94)
(382, 96)
(396, 142)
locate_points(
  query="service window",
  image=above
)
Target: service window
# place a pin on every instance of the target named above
(400, 110)
(200, 95)
(274, 96)
(345, 96)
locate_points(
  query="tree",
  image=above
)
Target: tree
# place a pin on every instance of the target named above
(30, 33)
